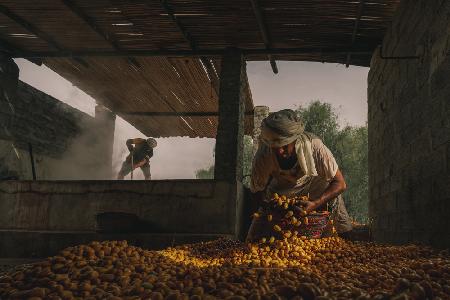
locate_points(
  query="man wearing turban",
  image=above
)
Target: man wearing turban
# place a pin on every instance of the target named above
(292, 162)
(139, 157)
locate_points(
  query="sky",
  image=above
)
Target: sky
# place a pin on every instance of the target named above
(297, 83)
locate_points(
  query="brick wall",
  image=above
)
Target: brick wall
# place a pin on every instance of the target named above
(409, 127)
(45, 122)
(260, 113)
(66, 142)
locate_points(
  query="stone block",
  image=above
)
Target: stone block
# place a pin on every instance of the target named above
(13, 186)
(56, 187)
(420, 194)
(388, 203)
(440, 239)
(204, 188)
(440, 131)
(162, 187)
(448, 157)
(30, 211)
(434, 164)
(383, 220)
(70, 212)
(7, 212)
(378, 234)
(421, 145)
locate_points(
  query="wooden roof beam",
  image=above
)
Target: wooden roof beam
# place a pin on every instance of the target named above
(36, 31)
(9, 49)
(88, 20)
(265, 35)
(191, 53)
(187, 36)
(177, 114)
(355, 30)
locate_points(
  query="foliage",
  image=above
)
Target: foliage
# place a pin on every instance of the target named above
(349, 147)
(321, 119)
(208, 173)
(247, 159)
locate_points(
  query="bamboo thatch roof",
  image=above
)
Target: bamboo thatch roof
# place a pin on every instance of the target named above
(169, 50)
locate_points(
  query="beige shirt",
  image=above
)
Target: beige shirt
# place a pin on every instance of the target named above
(288, 182)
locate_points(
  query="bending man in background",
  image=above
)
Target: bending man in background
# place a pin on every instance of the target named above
(292, 162)
(141, 152)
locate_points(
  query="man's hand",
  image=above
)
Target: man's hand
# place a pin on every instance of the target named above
(336, 187)
(309, 206)
(129, 144)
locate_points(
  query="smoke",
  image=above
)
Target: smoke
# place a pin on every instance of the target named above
(88, 155)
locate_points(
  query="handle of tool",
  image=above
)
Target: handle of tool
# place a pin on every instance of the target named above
(132, 163)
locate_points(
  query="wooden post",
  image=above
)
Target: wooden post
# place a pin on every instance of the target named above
(230, 131)
(33, 170)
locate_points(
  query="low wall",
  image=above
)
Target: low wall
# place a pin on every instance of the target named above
(177, 208)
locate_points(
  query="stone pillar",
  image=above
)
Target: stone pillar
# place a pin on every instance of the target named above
(409, 128)
(106, 121)
(260, 112)
(230, 132)
(9, 77)
(9, 80)
(10, 160)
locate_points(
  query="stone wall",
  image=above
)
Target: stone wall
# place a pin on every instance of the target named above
(409, 127)
(260, 113)
(66, 142)
(66, 211)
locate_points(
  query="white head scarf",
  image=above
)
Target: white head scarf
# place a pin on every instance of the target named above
(284, 127)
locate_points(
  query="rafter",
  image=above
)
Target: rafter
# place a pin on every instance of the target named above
(36, 31)
(177, 114)
(88, 20)
(187, 36)
(264, 33)
(10, 49)
(355, 30)
(191, 53)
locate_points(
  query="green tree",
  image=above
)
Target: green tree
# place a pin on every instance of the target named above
(352, 156)
(349, 147)
(208, 173)
(322, 120)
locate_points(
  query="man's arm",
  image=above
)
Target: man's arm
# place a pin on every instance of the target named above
(131, 142)
(337, 186)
